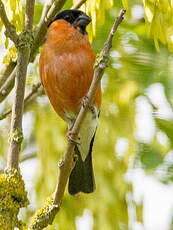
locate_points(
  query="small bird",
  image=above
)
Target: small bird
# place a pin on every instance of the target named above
(66, 71)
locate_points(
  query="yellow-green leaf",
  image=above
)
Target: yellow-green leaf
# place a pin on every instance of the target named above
(159, 21)
(6, 43)
(13, 5)
(125, 4)
(10, 56)
(96, 10)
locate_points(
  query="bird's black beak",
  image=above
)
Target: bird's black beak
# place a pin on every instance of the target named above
(83, 20)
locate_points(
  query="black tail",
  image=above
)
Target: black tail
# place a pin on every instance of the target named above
(82, 177)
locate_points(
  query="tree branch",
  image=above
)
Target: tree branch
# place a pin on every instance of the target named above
(8, 85)
(29, 15)
(23, 158)
(10, 29)
(46, 8)
(78, 4)
(16, 135)
(35, 89)
(5, 72)
(67, 164)
(28, 156)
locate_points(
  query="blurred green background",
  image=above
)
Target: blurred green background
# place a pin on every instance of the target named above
(132, 155)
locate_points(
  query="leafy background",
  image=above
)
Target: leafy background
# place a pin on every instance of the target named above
(134, 139)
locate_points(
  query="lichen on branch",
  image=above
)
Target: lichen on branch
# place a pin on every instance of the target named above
(26, 39)
(45, 215)
(13, 196)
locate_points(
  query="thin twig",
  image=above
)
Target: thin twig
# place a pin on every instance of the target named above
(23, 158)
(67, 163)
(78, 4)
(28, 156)
(5, 114)
(35, 89)
(7, 86)
(46, 8)
(5, 72)
(10, 29)
(16, 135)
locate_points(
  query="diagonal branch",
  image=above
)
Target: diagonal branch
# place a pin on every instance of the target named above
(8, 85)
(46, 8)
(67, 163)
(10, 29)
(5, 72)
(23, 158)
(28, 156)
(35, 91)
(78, 4)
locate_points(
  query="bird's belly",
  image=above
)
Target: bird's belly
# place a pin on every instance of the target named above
(66, 80)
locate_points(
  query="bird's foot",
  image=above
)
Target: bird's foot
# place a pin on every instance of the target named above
(72, 137)
(85, 103)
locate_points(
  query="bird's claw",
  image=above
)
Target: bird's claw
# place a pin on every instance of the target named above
(85, 103)
(72, 137)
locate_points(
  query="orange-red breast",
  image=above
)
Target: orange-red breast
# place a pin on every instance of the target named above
(66, 70)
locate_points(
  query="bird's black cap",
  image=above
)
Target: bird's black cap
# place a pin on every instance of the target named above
(82, 19)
